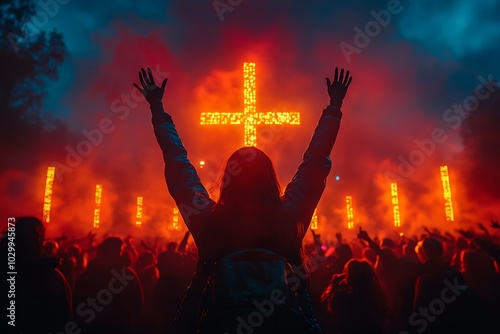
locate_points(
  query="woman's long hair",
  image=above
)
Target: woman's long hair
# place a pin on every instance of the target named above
(359, 278)
(249, 177)
(361, 282)
(250, 194)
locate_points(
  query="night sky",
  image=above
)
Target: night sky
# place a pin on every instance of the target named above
(416, 68)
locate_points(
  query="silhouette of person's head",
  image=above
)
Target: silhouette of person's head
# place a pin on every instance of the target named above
(74, 250)
(172, 246)
(408, 250)
(429, 249)
(343, 252)
(110, 248)
(388, 243)
(146, 258)
(30, 235)
(359, 274)
(476, 262)
(249, 179)
(369, 255)
(51, 248)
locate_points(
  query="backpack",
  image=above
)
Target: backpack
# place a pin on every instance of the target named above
(250, 292)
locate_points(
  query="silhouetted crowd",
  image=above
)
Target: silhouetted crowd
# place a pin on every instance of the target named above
(434, 283)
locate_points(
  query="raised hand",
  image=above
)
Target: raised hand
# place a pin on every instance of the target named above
(466, 234)
(449, 235)
(183, 244)
(338, 88)
(363, 235)
(484, 229)
(152, 92)
(337, 279)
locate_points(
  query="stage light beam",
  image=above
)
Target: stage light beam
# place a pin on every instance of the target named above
(314, 220)
(138, 215)
(97, 210)
(448, 204)
(395, 204)
(350, 212)
(47, 197)
(175, 219)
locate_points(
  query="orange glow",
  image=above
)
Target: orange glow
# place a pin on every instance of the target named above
(350, 212)
(395, 204)
(138, 215)
(47, 198)
(97, 210)
(250, 117)
(175, 219)
(448, 205)
(202, 164)
(314, 220)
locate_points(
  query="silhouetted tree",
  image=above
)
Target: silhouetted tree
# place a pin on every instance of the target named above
(28, 58)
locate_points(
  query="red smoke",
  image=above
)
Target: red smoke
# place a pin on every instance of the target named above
(383, 116)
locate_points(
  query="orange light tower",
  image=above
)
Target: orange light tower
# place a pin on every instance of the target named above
(47, 197)
(138, 214)
(395, 204)
(350, 212)
(175, 218)
(448, 204)
(97, 210)
(314, 220)
(250, 117)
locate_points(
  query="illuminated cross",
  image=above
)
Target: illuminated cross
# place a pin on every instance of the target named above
(250, 117)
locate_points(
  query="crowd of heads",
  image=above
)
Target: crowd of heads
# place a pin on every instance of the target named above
(438, 282)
